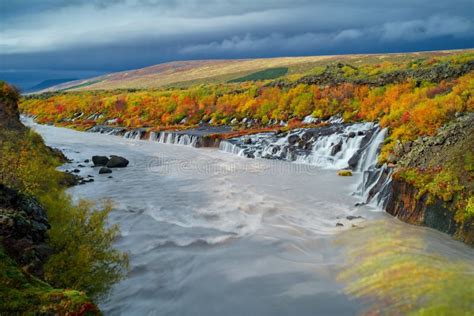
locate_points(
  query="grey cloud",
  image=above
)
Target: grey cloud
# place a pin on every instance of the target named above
(435, 26)
(110, 35)
(432, 27)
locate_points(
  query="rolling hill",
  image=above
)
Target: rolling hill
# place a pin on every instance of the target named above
(187, 73)
(48, 83)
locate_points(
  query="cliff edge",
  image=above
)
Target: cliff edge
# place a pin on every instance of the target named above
(433, 182)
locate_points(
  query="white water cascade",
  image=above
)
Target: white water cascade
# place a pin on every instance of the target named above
(228, 147)
(174, 138)
(328, 147)
(368, 157)
(134, 134)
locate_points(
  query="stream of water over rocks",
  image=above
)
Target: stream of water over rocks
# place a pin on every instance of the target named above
(211, 233)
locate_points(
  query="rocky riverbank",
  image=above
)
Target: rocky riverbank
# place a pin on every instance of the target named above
(433, 181)
(24, 227)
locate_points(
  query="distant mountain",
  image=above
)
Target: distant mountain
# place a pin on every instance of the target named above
(48, 83)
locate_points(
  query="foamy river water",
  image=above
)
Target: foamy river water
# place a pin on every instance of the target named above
(211, 233)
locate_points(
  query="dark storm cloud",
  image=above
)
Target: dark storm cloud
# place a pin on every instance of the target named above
(109, 35)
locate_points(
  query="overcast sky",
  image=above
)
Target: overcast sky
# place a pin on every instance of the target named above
(46, 39)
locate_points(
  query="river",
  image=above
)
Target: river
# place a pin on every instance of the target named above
(211, 233)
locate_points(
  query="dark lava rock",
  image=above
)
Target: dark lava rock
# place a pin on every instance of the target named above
(117, 162)
(69, 179)
(293, 139)
(84, 181)
(336, 148)
(307, 136)
(248, 141)
(305, 145)
(81, 166)
(339, 225)
(354, 160)
(376, 180)
(56, 152)
(23, 230)
(104, 170)
(87, 161)
(351, 135)
(351, 217)
(100, 160)
(110, 177)
(76, 171)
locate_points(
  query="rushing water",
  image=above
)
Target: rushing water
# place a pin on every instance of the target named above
(211, 233)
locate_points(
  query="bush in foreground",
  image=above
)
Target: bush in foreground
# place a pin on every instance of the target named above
(83, 257)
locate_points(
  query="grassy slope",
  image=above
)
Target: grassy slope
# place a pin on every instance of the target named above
(187, 73)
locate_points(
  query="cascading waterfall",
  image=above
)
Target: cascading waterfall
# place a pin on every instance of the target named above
(108, 130)
(335, 150)
(328, 147)
(134, 134)
(368, 158)
(228, 147)
(174, 138)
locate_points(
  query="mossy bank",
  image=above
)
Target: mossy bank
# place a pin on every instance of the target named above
(56, 256)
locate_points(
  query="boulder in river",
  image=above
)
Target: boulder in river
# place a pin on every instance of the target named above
(336, 148)
(293, 139)
(117, 162)
(100, 160)
(352, 217)
(105, 170)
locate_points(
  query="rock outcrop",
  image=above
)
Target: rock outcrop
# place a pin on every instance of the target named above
(405, 204)
(9, 114)
(23, 230)
(448, 151)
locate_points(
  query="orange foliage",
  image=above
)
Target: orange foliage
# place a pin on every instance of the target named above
(409, 109)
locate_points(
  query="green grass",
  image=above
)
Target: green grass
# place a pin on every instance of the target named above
(21, 293)
(266, 74)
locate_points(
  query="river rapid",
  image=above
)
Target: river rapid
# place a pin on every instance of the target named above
(211, 233)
